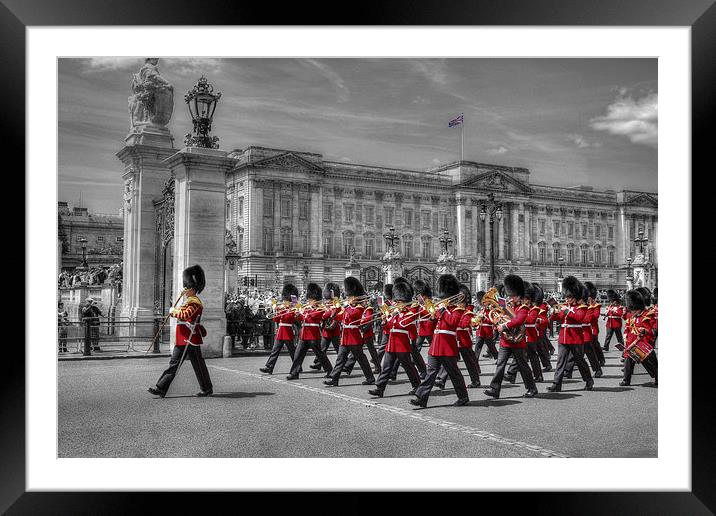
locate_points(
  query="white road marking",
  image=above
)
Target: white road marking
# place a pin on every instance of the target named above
(480, 434)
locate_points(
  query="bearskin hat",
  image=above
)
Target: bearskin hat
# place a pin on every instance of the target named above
(313, 291)
(591, 288)
(193, 277)
(353, 287)
(422, 288)
(288, 290)
(331, 290)
(634, 300)
(478, 297)
(646, 294)
(388, 291)
(400, 279)
(514, 286)
(448, 286)
(530, 293)
(465, 291)
(500, 289)
(402, 291)
(571, 287)
(655, 295)
(539, 294)
(612, 296)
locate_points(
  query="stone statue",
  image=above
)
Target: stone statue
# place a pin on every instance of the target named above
(230, 243)
(152, 101)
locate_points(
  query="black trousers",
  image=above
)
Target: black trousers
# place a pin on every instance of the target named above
(325, 342)
(597, 348)
(471, 363)
(490, 342)
(433, 366)
(300, 354)
(533, 358)
(342, 358)
(651, 364)
(608, 338)
(543, 350)
(276, 350)
(374, 357)
(520, 357)
(197, 362)
(389, 360)
(418, 359)
(591, 357)
(575, 351)
(381, 345)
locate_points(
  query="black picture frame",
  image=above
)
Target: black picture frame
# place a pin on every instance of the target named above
(700, 15)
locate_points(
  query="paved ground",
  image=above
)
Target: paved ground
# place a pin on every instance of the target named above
(105, 411)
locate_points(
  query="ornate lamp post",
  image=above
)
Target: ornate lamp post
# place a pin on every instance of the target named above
(391, 238)
(84, 252)
(641, 241)
(445, 241)
(392, 260)
(491, 209)
(629, 274)
(201, 101)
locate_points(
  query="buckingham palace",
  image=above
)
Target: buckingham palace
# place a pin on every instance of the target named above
(293, 216)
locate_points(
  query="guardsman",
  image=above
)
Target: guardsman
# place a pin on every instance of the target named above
(639, 330)
(543, 344)
(595, 309)
(330, 328)
(189, 336)
(426, 325)
(515, 291)
(285, 318)
(571, 334)
(485, 330)
(401, 330)
(368, 333)
(443, 348)
(62, 323)
(310, 336)
(587, 339)
(351, 338)
(464, 342)
(532, 325)
(613, 314)
(385, 334)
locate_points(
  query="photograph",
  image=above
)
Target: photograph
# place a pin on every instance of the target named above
(360, 257)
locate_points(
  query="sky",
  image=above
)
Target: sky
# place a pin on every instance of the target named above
(569, 121)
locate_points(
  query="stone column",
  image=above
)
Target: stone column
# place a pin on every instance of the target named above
(527, 250)
(199, 232)
(501, 235)
(460, 228)
(144, 177)
(487, 241)
(253, 230)
(515, 248)
(316, 215)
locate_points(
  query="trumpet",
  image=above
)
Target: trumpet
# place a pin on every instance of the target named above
(500, 315)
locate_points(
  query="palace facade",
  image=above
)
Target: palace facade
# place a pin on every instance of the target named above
(293, 216)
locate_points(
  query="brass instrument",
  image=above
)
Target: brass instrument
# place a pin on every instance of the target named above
(499, 315)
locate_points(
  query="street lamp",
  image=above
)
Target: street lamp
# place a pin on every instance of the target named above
(84, 252)
(641, 241)
(630, 274)
(391, 238)
(201, 101)
(445, 241)
(492, 209)
(561, 265)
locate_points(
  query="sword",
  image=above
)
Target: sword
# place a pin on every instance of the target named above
(164, 322)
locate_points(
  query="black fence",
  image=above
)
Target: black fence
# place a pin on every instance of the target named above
(111, 334)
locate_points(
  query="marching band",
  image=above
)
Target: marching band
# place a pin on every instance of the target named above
(406, 317)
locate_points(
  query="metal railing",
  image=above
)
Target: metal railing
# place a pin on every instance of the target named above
(110, 334)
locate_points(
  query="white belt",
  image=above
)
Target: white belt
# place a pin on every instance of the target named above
(186, 323)
(396, 330)
(571, 326)
(446, 332)
(613, 317)
(463, 329)
(311, 324)
(530, 325)
(285, 324)
(350, 326)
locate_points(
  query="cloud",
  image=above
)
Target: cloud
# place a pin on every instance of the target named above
(102, 64)
(497, 150)
(179, 66)
(335, 79)
(637, 119)
(581, 142)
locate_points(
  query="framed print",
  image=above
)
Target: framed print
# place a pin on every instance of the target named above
(357, 237)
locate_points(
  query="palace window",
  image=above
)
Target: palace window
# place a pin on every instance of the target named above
(118, 239)
(611, 257)
(268, 206)
(570, 254)
(369, 214)
(541, 227)
(268, 240)
(556, 228)
(597, 255)
(328, 212)
(425, 249)
(359, 213)
(241, 207)
(286, 240)
(610, 231)
(584, 230)
(426, 219)
(227, 210)
(408, 217)
(348, 213)
(303, 210)
(369, 246)
(304, 242)
(584, 254)
(348, 241)
(542, 252)
(285, 208)
(570, 229)
(444, 221)
(556, 252)
(79, 238)
(407, 246)
(328, 243)
(597, 231)
(240, 245)
(389, 212)
(100, 238)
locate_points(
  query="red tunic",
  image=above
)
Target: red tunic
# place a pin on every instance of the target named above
(638, 326)
(388, 303)
(444, 342)
(570, 318)
(615, 314)
(368, 326)
(532, 324)
(284, 327)
(542, 320)
(464, 328)
(328, 319)
(400, 334)
(485, 328)
(587, 324)
(350, 317)
(187, 322)
(426, 324)
(311, 324)
(596, 312)
(518, 320)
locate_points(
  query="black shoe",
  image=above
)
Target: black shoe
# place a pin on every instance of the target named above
(605, 348)
(622, 360)
(554, 388)
(421, 376)
(378, 393)
(368, 382)
(486, 355)
(418, 402)
(376, 370)
(461, 401)
(602, 363)
(157, 392)
(331, 383)
(203, 394)
(568, 376)
(440, 385)
(492, 392)
(539, 379)
(412, 392)
(589, 385)
(623, 384)
(347, 374)
(315, 367)
(511, 379)
(598, 373)
(547, 368)
(327, 375)
(292, 377)
(551, 352)
(474, 385)
(393, 378)
(265, 370)
(530, 394)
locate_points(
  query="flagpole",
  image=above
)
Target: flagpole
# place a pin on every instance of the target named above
(462, 138)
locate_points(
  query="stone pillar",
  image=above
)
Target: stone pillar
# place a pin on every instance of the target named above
(145, 174)
(501, 236)
(199, 232)
(515, 248)
(460, 228)
(527, 242)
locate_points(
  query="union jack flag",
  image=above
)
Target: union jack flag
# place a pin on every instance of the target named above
(455, 121)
